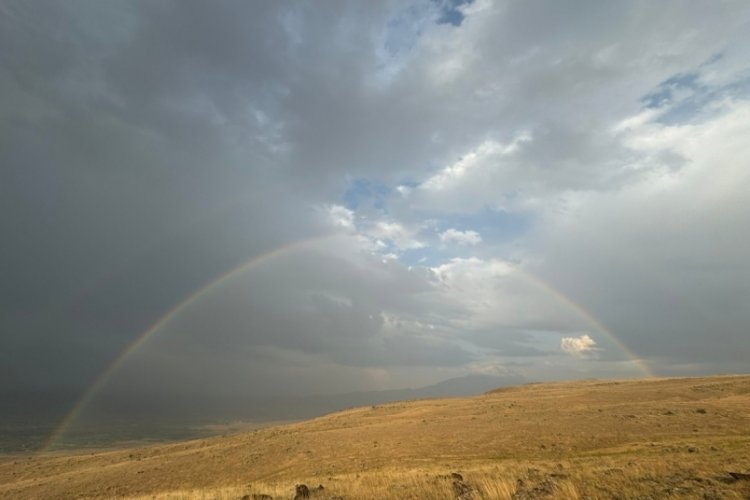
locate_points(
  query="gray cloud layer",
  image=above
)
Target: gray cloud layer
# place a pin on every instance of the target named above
(594, 155)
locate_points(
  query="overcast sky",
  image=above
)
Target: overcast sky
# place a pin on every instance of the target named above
(468, 187)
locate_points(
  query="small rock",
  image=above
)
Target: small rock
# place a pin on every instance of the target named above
(301, 491)
(462, 490)
(542, 489)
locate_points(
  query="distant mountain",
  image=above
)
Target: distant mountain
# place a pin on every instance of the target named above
(469, 385)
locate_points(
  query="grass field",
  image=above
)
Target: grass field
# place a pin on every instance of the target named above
(630, 439)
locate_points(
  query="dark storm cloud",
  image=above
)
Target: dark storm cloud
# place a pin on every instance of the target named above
(129, 176)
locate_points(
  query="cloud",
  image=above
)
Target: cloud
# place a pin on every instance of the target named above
(468, 237)
(578, 345)
(494, 369)
(453, 174)
(404, 191)
(397, 235)
(341, 216)
(596, 153)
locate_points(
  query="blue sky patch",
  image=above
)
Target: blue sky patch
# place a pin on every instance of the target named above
(364, 192)
(664, 93)
(684, 96)
(450, 12)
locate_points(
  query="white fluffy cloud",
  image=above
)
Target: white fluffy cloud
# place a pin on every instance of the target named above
(401, 237)
(468, 237)
(578, 345)
(341, 216)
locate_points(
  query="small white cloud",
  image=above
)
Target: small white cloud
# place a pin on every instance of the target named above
(404, 191)
(401, 237)
(578, 345)
(388, 257)
(341, 216)
(452, 173)
(461, 237)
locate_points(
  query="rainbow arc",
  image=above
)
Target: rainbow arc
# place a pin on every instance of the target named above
(258, 260)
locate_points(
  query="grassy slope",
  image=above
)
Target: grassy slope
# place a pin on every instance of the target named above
(599, 439)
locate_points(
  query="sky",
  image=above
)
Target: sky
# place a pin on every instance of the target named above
(253, 198)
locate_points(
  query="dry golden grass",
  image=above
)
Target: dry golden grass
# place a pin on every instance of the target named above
(656, 438)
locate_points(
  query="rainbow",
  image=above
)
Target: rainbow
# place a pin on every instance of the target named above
(255, 261)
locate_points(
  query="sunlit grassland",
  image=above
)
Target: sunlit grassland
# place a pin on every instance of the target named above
(654, 438)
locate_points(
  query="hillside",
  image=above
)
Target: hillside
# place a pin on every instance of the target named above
(114, 417)
(652, 438)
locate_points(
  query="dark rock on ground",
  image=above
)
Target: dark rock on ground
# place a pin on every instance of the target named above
(301, 491)
(542, 489)
(462, 490)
